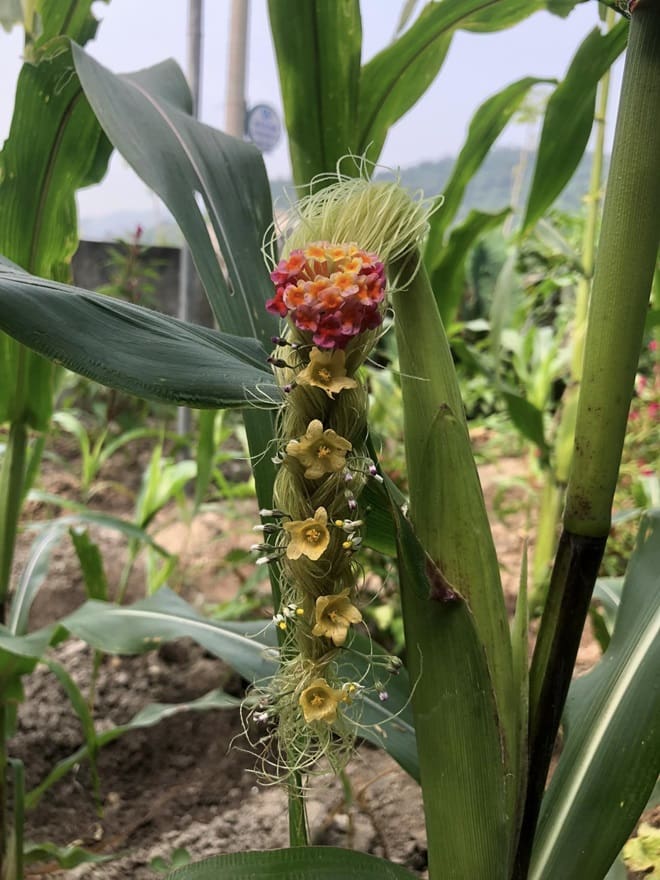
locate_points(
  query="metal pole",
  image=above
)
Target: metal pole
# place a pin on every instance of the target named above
(236, 70)
(194, 56)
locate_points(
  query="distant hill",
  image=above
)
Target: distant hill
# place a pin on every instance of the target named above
(489, 190)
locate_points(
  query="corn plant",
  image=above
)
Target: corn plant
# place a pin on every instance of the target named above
(482, 725)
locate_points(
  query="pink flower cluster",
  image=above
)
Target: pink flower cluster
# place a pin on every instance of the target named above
(333, 291)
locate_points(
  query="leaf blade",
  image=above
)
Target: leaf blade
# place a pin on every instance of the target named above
(131, 348)
(608, 767)
(297, 863)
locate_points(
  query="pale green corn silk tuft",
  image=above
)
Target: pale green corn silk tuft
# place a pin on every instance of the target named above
(383, 218)
(378, 216)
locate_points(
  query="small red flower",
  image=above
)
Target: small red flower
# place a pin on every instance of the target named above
(332, 291)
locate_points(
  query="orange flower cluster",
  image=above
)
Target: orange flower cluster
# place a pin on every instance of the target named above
(332, 291)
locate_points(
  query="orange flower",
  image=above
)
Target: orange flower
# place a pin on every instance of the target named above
(326, 370)
(320, 452)
(308, 537)
(334, 615)
(319, 701)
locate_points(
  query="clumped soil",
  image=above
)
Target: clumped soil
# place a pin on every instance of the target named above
(187, 783)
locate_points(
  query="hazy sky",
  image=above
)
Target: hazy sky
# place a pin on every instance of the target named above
(137, 33)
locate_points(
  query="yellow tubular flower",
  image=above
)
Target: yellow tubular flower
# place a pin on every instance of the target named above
(319, 701)
(308, 537)
(334, 616)
(320, 452)
(326, 370)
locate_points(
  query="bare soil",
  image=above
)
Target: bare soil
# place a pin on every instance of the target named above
(180, 783)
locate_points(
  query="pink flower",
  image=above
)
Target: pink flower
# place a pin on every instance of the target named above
(332, 291)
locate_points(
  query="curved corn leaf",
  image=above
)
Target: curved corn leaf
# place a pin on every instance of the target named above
(36, 567)
(487, 124)
(448, 276)
(609, 764)
(456, 722)
(132, 348)
(55, 146)
(399, 75)
(140, 627)
(318, 59)
(146, 116)
(297, 863)
(149, 716)
(569, 118)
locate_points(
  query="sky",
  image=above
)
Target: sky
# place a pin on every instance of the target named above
(137, 33)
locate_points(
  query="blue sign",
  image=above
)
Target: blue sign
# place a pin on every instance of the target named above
(263, 127)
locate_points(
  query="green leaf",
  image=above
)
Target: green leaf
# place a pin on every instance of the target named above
(55, 146)
(497, 16)
(149, 716)
(91, 563)
(318, 49)
(394, 79)
(19, 655)
(527, 419)
(137, 628)
(608, 767)
(146, 115)
(298, 863)
(50, 534)
(458, 732)
(569, 118)
(448, 277)
(79, 705)
(65, 856)
(32, 577)
(487, 124)
(132, 348)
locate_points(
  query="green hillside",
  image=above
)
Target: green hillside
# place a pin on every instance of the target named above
(491, 187)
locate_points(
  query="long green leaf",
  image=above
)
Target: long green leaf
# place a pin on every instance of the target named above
(399, 75)
(569, 118)
(487, 124)
(298, 863)
(137, 628)
(448, 276)
(55, 146)
(50, 533)
(146, 115)
(609, 764)
(456, 723)
(318, 48)
(132, 348)
(149, 716)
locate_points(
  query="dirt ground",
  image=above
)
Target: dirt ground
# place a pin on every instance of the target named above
(180, 784)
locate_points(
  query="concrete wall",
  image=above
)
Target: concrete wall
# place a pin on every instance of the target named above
(91, 270)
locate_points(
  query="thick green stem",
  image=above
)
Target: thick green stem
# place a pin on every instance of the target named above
(298, 834)
(626, 260)
(589, 237)
(624, 271)
(553, 497)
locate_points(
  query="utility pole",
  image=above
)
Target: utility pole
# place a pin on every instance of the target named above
(194, 63)
(236, 70)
